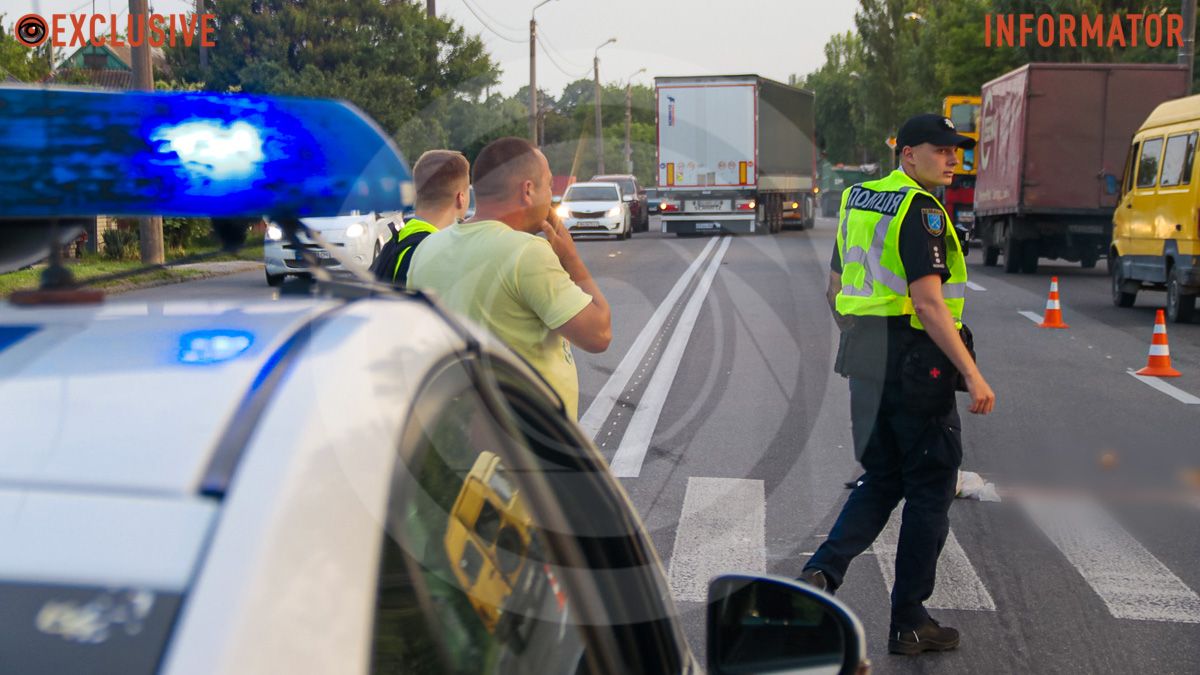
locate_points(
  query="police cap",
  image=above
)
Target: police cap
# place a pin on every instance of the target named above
(933, 129)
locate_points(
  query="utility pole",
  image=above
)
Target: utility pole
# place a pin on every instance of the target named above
(534, 117)
(431, 8)
(629, 120)
(533, 92)
(203, 49)
(1187, 50)
(599, 135)
(150, 229)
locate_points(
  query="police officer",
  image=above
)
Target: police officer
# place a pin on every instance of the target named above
(442, 179)
(897, 284)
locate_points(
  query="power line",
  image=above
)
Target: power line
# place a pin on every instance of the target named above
(569, 62)
(488, 26)
(562, 70)
(497, 21)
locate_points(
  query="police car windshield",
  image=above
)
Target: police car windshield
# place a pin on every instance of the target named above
(592, 193)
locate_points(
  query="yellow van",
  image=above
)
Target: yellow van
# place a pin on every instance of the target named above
(1156, 226)
(488, 537)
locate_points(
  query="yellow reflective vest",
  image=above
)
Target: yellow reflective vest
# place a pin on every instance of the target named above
(868, 239)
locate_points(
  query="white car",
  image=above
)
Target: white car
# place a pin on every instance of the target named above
(359, 237)
(349, 482)
(595, 208)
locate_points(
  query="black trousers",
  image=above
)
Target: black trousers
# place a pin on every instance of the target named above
(905, 457)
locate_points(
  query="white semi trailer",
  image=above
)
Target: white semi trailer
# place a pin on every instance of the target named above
(735, 154)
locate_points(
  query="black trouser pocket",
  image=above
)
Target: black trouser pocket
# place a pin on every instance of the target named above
(927, 380)
(942, 445)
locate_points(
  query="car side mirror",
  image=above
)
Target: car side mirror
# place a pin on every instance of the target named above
(768, 624)
(964, 238)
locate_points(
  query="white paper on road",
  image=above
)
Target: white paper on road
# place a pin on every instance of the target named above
(957, 587)
(722, 529)
(627, 462)
(1174, 392)
(1132, 583)
(601, 406)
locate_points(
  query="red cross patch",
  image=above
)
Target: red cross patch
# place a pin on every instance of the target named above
(935, 373)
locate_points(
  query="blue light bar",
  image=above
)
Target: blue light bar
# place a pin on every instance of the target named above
(87, 153)
(203, 347)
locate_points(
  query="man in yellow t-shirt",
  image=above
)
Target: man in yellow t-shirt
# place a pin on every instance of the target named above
(534, 294)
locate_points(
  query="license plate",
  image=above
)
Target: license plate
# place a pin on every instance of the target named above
(707, 226)
(707, 205)
(321, 255)
(1086, 229)
(587, 223)
(966, 216)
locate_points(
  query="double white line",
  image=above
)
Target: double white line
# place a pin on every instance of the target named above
(627, 462)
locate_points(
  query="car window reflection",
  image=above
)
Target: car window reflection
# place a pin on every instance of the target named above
(465, 551)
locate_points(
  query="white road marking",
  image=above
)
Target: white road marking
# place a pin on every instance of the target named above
(602, 405)
(1036, 318)
(627, 462)
(1127, 577)
(722, 529)
(975, 287)
(1174, 392)
(957, 587)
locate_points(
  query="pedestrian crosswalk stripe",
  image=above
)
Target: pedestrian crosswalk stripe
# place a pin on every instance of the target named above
(722, 529)
(1031, 316)
(1131, 582)
(957, 587)
(975, 287)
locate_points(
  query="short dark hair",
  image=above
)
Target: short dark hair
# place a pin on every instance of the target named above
(501, 164)
(438, 174)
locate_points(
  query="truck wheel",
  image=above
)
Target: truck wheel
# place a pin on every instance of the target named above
(1120, 297)
(1180, 306)
(1088, 260)
(1012, 255)
(275, 280)
(991, 254)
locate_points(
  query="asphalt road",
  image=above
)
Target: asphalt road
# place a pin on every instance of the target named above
(717, 407)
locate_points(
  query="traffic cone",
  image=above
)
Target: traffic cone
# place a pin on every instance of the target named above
(1159, 362)
(1053, 316)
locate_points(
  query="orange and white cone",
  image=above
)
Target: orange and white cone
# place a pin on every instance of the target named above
(1159, 362)
(1053, 316)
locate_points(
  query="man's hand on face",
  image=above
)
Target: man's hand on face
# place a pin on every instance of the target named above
(561, 241)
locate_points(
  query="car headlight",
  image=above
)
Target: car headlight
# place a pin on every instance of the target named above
(355, 230)
(562, 211)
(613, 212)
(274, 233)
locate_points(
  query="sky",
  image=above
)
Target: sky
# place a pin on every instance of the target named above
(772, 38)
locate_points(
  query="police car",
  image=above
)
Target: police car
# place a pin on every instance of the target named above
(347, 481)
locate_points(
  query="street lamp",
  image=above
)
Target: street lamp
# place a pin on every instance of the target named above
(629, 119)
(599, 137)
(533, 92)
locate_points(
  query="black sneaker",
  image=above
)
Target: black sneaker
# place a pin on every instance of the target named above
(817, 579)
(930, 637)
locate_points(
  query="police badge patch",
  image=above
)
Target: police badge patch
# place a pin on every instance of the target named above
(932, 219)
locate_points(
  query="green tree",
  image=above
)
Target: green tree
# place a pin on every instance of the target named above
(19, 61)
